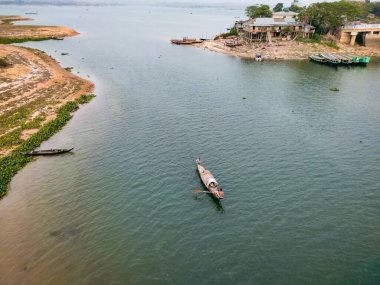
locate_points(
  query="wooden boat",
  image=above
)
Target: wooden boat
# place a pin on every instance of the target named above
(185, 41)
(344, 59)
(48, 151)
(209, 181)
(361, 60)
(330, 58)
(317, 58)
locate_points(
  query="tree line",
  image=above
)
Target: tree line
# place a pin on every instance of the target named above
(326, 17)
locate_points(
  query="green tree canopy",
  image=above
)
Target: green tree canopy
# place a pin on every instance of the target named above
(278, 7)
(258, 11)
(296, 8)
(375, 8)
(328, 17)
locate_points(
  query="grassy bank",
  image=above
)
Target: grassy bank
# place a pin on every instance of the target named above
(6, 41)
(16, 160)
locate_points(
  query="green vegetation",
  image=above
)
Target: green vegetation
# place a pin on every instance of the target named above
(16, 160)
(6, 41)
(315, 39)
(334, 89)
(232, 32)
(33, 124)
(278, 7)
(3, 62)
(84, 99)
(69, 68)
(328, 17)
(13, 138)
(19, 115)
(258, 11)
(331, 44)
(374, 8)
(296, 8)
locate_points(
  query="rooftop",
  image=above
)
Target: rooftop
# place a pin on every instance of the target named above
(265, 22)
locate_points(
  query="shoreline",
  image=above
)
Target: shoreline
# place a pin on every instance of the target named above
(283, 51)
(37, 99)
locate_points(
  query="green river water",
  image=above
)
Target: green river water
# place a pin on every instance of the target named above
(299, 164)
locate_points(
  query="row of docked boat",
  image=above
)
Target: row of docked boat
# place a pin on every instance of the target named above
(336, 58)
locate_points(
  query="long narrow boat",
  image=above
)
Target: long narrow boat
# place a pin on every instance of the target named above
(317, 58)
(330, 58)
(48, 151)
(185, 41)
(209, 181)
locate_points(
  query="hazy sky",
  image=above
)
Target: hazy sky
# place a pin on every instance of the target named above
(198, 2)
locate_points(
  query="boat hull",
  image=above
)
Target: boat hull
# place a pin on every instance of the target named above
(206, 176)
(48, 152)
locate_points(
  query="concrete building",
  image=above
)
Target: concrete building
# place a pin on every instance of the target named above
(363, 34)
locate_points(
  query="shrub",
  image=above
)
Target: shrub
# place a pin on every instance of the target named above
(3, 62)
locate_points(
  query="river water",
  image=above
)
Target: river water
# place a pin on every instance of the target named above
(300, 165)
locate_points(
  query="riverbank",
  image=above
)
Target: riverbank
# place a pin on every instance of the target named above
(20, 33)
(286, 50)
(37, 96)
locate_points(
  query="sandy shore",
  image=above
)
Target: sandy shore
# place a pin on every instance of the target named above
(286, 50)
(32, 87)
(8, 30)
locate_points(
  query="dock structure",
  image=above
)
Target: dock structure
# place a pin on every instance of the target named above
(365, 34)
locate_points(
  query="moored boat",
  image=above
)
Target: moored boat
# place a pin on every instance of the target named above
(185, 41)
(317, 58)
(48, 151)
(337, 58)
(330, 58)
(209, 181)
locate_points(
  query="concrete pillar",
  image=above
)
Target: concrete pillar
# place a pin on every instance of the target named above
(353, 38)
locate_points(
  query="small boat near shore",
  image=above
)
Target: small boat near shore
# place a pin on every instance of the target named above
(209, 181)
(336, 59)
(48, 151)
(317, 58)
(185, 41)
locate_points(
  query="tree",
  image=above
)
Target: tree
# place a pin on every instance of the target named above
(375, 8)
(296, 8)
(328, 17)
(258, 11)
(278, 7)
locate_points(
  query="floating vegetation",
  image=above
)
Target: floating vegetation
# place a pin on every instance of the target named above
(244, 98)
(69, 68)
(64, 53)
(334, 89)
(16, 160)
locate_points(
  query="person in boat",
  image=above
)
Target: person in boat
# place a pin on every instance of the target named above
(220, 192)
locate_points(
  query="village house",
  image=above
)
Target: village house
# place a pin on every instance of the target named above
(282, 26)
